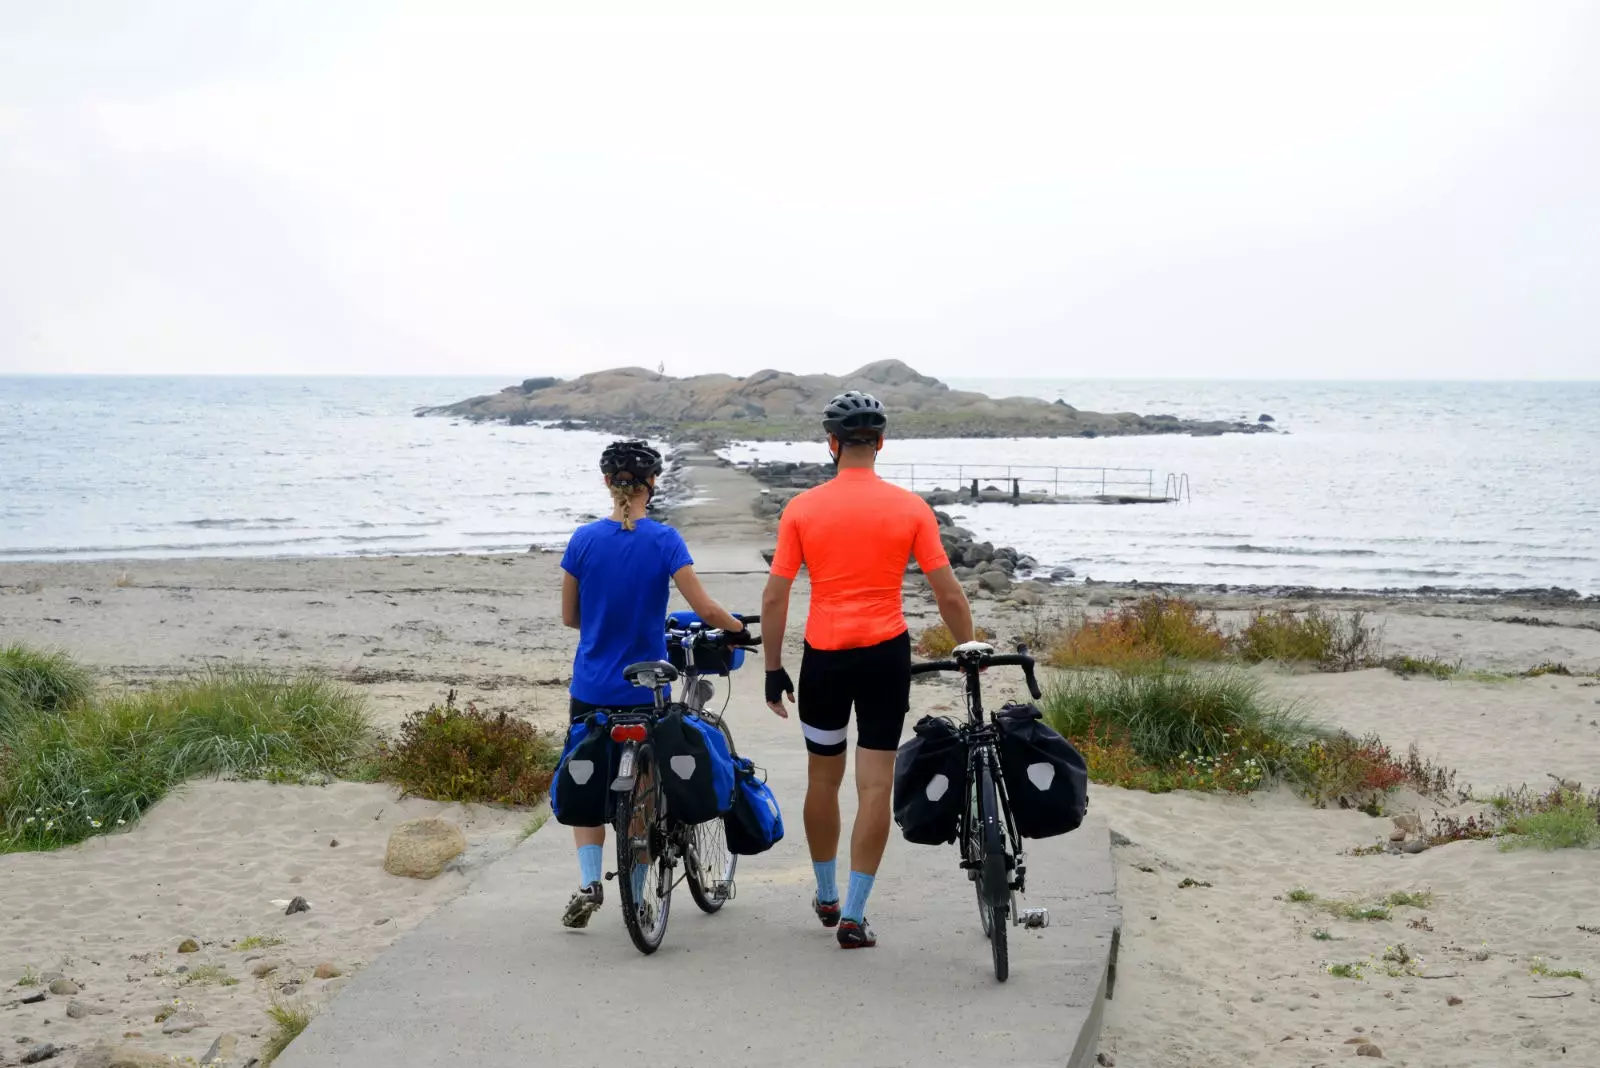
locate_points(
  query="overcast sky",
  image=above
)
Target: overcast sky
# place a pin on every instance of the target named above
(451, 187)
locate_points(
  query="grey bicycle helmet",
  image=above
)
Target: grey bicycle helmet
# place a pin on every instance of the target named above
(855, 416)
(636, 459)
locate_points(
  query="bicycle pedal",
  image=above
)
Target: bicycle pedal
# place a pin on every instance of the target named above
(726, 891)
(1034, 918)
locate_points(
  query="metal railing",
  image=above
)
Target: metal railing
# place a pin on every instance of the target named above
(1027, 479)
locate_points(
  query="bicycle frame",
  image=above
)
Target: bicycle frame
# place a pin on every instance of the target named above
(979, 735)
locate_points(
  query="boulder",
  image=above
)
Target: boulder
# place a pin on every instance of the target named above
(1004, 563)
(109, 1056)
(64, 988)
(420, 849)
(995, 581)
(1266, 419)
(1061, 574)
(224, 1052)
(1099, 599)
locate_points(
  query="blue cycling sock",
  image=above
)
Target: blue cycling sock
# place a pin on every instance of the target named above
(590, 859)
(827, 884)
(640, 872)
(855, 901)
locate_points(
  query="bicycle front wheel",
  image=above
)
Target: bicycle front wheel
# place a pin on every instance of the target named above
(994, 884)
(644, 863)
(710, 866)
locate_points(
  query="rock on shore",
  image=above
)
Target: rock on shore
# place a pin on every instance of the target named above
(779, 405)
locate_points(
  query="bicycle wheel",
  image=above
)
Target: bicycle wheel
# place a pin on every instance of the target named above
(644, 866)
(709, 864)
(994, 892)
(972, 855)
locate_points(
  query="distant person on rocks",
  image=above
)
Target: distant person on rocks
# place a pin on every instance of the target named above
(854, 535)
(614, 594)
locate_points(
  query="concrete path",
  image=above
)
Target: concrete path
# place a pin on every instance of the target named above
(494, 981)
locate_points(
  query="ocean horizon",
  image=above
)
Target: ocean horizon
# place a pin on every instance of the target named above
(1393, 484)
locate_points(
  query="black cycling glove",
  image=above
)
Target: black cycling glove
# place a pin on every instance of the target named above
(778, 684)
(742, 636)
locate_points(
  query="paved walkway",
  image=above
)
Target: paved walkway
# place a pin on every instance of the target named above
(494, 981)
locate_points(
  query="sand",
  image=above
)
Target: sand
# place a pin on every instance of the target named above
(1221, 975)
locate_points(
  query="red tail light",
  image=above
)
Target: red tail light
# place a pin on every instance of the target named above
(628, 732)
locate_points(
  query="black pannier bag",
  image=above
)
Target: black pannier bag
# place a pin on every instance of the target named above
(580, 792)
(930, 783)
(695, 766)
(1046, 778)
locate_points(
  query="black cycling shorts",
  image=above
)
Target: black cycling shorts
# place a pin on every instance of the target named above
(875, 679)
(578, 711)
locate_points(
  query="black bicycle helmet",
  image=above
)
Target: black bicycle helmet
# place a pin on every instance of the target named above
(636, 459)
(855, 416)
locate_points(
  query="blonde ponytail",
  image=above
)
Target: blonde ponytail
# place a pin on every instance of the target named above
(622, 496)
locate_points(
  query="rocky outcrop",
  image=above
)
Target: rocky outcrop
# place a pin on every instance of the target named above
(777, 405)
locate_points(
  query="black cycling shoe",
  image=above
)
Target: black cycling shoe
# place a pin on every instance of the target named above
(853, 935)
(827, 911)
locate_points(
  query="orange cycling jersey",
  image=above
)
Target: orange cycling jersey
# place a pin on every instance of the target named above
(854, 535)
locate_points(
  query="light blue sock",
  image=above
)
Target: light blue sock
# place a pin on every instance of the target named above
(590, 858)
(855, 901)
(827, 885)
(640, 872)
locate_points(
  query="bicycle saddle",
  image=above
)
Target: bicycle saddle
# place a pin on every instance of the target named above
(973, 649)
(659, 669)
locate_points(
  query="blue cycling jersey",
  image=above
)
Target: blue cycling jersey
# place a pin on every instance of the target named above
(624, 580)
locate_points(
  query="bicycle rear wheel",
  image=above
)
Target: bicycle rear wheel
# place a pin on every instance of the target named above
(994, 884)
(644, 866)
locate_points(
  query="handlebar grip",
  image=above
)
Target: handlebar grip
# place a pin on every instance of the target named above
(746, 619)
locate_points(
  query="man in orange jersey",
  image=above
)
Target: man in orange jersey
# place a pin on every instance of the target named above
(854, 535)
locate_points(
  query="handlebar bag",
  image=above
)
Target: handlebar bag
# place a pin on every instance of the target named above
(695, 765)
(581, 789)
(708, 660)
(930, 782)
(1046, 778)
(753, 824)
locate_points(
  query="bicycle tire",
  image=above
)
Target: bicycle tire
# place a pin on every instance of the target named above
(972, 856)
(994, 882)
(640, 826)
(707, 859)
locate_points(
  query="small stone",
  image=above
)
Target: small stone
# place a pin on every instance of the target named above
(182, 1023)
(327, 970)
(222, 1051)
(1397, 836)
(1099, 599)
(1452, 1000)
(77, 1010)
(1256, 999)
(182, 969)
(188, 945)
(40, 1054)
(1105, 1060)
(1367, 1049)
(34, 998)
(1416, 845)
(299, 904)
(333, 843)
(264, 968)
(64, 988)
(380, 923)
(289, 990)
(420, 849)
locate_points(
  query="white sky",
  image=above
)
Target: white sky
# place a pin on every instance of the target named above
(1381, 190)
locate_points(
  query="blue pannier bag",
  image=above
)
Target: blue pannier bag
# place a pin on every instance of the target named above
(696, 766)
(706, 661)
(582, 785)
(753, 824)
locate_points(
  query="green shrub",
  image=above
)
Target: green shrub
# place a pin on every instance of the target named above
(1333, 641)
(32, 680)
(1564, 818)
(1170, 718)
(1150, 630)
(1432, 666)
(450, 754)
(98, 767)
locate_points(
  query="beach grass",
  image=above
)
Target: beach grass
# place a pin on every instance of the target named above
(35, 680)
(1433, 667)
(100, 765)
(1563, 818)
(446, 753)
(289, 1021)
(936, 642)
(1166, 730)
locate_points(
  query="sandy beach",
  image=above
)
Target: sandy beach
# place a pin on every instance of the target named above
(1222, 973)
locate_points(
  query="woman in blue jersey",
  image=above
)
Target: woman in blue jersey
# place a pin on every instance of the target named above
(618, 574)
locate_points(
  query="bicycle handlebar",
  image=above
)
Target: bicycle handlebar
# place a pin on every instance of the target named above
(1021, 660)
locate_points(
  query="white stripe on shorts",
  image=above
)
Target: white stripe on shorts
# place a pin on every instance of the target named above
(822, 737)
